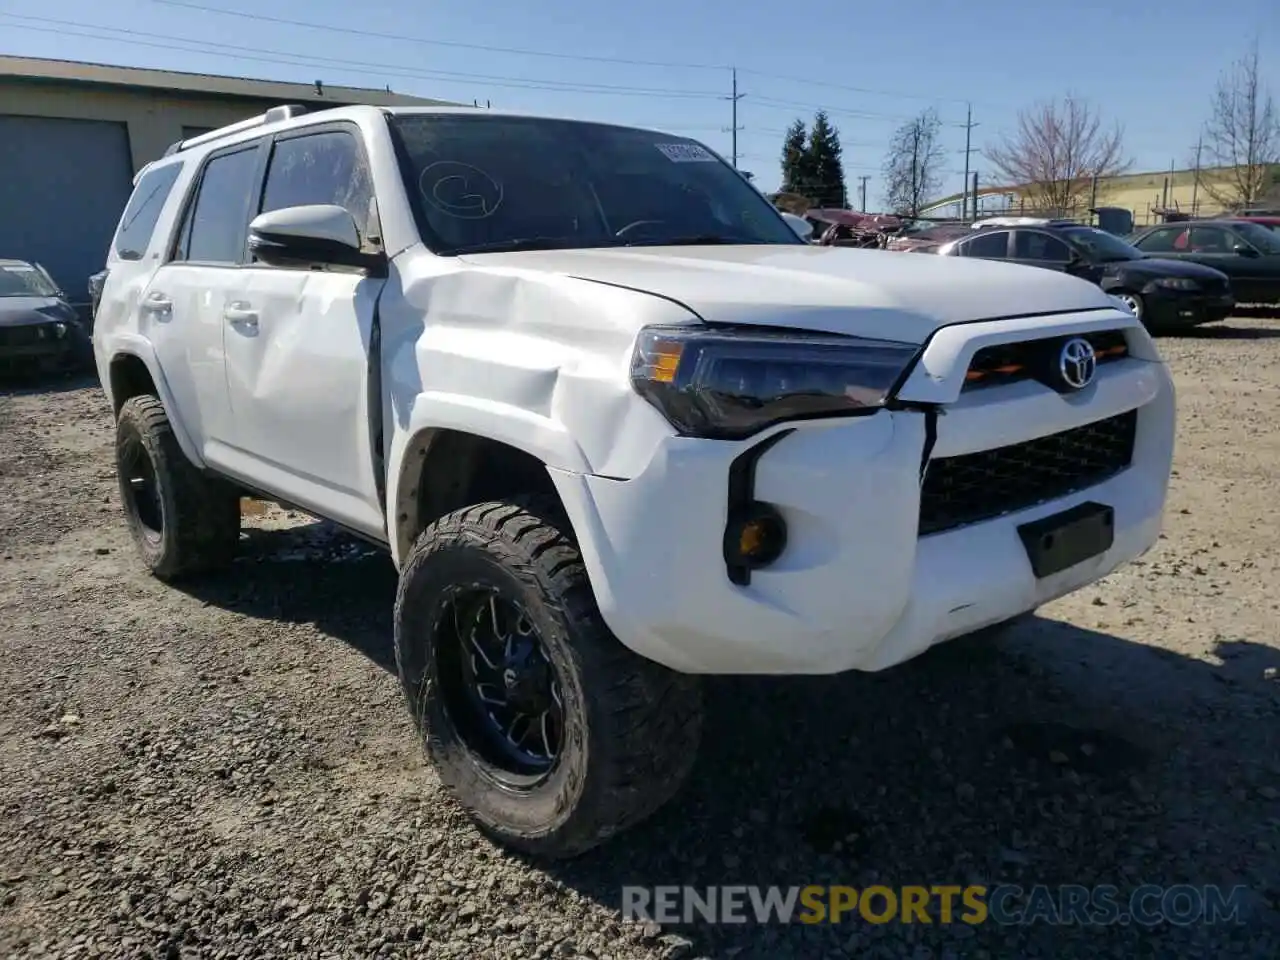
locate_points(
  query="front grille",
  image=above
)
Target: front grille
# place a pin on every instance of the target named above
(1036, 359)
(27, 335)
(980, 486)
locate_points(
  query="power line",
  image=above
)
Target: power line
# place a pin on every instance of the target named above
(349, 31)
(232, 52)
(525, 52)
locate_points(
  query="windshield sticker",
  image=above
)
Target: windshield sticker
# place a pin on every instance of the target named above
(686, 153)
(460, 190)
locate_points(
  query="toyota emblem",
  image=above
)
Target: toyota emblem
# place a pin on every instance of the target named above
(1077, 363)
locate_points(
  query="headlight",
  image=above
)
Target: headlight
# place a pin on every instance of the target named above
(59, 330)
(1177, 283)
(728, 384)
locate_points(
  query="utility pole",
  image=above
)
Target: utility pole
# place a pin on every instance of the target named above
(1195, 183)
(968, 149)
(863, 188)
(733, 98)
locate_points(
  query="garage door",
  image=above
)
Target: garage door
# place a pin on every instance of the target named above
(63, 185)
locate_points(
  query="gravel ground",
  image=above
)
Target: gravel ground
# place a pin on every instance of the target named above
(230, 772)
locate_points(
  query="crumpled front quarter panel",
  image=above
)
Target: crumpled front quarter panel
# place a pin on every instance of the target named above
(534, 359)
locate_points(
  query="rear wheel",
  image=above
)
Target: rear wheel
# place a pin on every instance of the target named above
(183, 523)
(540, 723)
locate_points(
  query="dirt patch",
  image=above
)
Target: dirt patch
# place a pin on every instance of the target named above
(229, 771)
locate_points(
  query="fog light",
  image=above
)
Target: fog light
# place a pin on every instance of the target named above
(59, 330)
(755, 538)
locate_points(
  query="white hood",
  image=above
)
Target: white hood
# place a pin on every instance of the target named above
(873, 293)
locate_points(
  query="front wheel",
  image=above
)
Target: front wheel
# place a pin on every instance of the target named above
(539, 722)
(1133, 303)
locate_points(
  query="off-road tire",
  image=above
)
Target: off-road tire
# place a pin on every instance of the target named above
(200, 515)
(632, 727)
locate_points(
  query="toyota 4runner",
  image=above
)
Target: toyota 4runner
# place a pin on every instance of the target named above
(616, 424)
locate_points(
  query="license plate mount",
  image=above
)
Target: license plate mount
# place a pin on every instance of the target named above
(1058, 542)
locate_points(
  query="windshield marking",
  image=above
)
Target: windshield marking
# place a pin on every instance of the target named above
(460, 190)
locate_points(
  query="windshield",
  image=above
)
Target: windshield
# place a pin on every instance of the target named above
(482, 183)
(1101, 245)
(1262, 238)
(24, 280)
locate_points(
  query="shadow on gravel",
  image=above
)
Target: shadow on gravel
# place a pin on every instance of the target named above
(1226, 332)
(35, 384)
(1043, 760)
(312, 574)
(1057, 755)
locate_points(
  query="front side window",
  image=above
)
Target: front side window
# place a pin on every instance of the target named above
(994, 245)
(214, 229)
(143, 211)
(18, 279)
(1033, 245)
(1102, 246)
(1210, 240)
(321, 168)
(1267, 241)
(508, 183)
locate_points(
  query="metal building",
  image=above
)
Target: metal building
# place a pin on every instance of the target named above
(72, 135)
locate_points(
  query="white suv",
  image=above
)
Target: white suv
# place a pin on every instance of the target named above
(615, 422)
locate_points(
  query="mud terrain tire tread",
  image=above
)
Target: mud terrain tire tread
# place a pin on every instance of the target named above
(201, 514)
(640, 735)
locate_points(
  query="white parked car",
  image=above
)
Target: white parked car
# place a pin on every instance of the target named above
(616, 424)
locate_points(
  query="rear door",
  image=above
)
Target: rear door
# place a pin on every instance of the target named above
(181, 309)
(301, 358)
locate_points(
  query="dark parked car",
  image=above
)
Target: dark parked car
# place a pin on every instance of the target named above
(1163, 294)
(38, 329)
(1246, 252)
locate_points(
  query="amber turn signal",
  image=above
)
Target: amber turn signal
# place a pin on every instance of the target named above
(755, 538)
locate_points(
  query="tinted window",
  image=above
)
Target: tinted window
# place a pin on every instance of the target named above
(994, 245)
(143, 211)
(321, 168)
(1032, 245)
(1160, 241)
(216, 223)
(488, 182)
(1262, 238)
(1211, 240)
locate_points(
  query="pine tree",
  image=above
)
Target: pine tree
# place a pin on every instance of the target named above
(823, 163)
(796, 173)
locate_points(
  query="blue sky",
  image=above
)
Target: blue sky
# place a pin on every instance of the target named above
(1148, 64)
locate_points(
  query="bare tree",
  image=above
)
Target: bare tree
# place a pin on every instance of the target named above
(913, 165)
(1242, 136)
(1055, 153)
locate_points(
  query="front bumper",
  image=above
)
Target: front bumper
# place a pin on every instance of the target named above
(1173, 308)
(856, 588)
(37, 345)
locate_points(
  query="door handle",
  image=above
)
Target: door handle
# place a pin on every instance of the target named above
(157, 303)
(239, 314)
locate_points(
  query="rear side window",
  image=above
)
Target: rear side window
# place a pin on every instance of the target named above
(325, 168)
(215, 225)
(143, 211)
(1161, 241)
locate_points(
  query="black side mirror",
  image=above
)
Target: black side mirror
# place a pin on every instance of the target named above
(1244, 250)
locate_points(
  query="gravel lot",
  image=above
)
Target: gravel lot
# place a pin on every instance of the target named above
(230, 772)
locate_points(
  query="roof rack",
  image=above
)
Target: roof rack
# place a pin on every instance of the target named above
(275, 115)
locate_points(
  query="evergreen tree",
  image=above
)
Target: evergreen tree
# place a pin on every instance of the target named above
(823, 163)
(796, 172)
